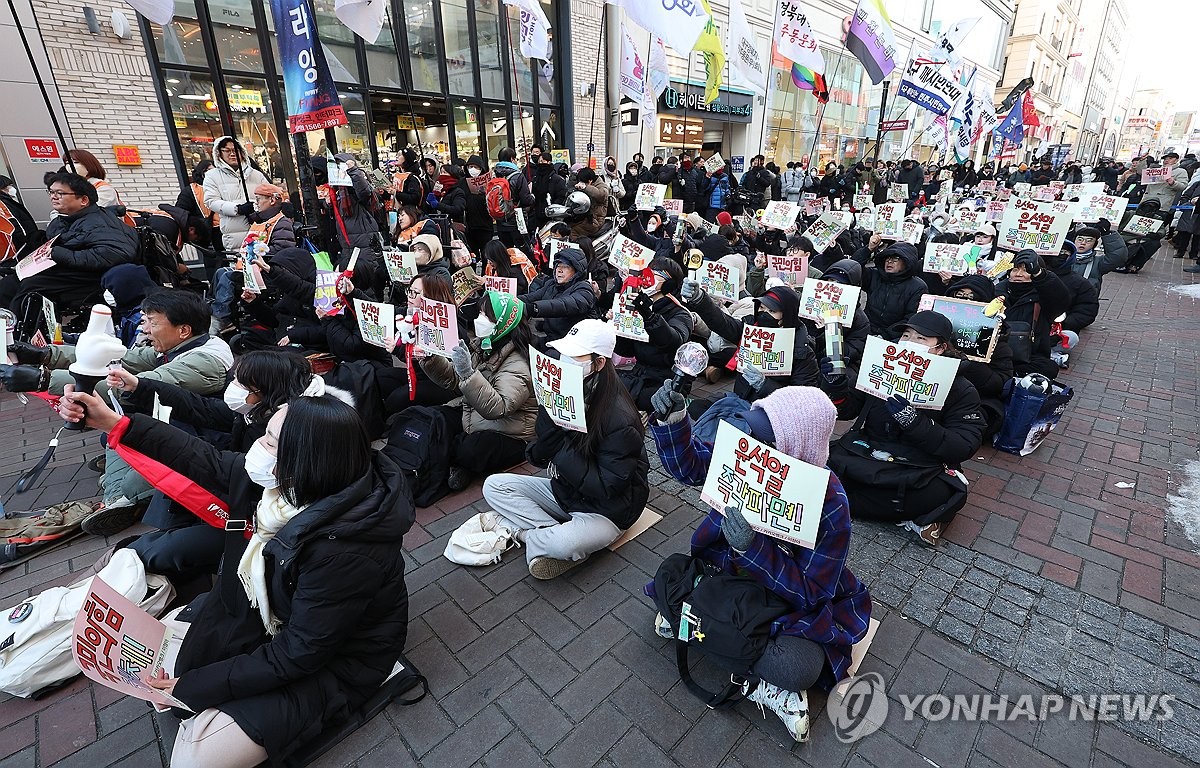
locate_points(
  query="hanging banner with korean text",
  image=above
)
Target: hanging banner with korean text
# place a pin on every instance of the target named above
(558, 388)
(312, 100)
(778, 495)
(897, 368)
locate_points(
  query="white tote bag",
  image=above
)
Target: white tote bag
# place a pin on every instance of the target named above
(471, 545)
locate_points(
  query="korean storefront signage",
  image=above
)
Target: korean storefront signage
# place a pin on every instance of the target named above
(678, 131)
(735, 107)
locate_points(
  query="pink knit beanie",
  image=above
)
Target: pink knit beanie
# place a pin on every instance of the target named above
(803, 419)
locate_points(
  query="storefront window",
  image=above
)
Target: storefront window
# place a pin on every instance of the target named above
(460, 58)
(495, 123)
(466, 130)
(254, 123)
(487, 30)
(382, 65)
(549, 131)
(179, 42)
(338, 42)
(524, 131)
(236, 35)
(194, 115)
(422, 48)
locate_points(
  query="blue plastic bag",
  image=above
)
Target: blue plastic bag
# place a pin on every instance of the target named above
(1029, 417)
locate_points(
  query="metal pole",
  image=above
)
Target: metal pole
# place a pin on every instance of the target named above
(37, 73)
(512, 59)
(686, 85)
(821, 112)
(596, 80)
(879, 131)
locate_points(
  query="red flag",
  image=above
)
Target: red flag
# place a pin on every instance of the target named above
(1028, 113)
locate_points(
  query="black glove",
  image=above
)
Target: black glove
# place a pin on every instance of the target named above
(904, 412)
(24, 378)
(1104, 225)
(643, 305)
(1033, 263)
(833, 383)
(27, 354)
(533, 308)
(245, 209)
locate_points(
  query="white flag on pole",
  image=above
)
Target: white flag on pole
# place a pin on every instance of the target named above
(747, 65)
(159, 11)
(794, 38)
(679, 24)
(362, 17)
(964, 115)
(535, 29)
(632, 79)
(946, 48)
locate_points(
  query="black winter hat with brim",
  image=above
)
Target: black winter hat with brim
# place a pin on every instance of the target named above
(927, 323)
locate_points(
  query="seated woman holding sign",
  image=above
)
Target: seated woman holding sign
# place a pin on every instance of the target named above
(598, 482)
(668, 325)
(308, 615)
(898, 463)
(829, 608)
(490, 430)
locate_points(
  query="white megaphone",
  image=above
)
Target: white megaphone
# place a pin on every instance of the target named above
(96, 348)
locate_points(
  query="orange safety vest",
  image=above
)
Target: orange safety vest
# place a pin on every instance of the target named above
(518, 260)
(105, 183)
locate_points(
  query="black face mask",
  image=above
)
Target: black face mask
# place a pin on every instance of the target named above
(611, 167)
(764, 320)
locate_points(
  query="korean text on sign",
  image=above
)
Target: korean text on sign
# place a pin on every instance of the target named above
(627, 323)
(649, 196)
(376, 323)
(720, 280)
(770, 350)
(907, 370)
(558, 388)
(778, 495)
(820, 298)
(437, 327)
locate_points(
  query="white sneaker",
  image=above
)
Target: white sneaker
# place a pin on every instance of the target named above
(791, 707)
(662, 627)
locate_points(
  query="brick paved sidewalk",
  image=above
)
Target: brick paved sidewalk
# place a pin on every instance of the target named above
(1054, 581)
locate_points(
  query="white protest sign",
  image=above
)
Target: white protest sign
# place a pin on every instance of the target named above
(1156, 175)
(898, 368)
(437, 327)
(779, 214)
(628, 255)
(401, 265)
(1029, 224)
(825, 230)
(793, 270)
(39, 261)
(1045, 193)
(995, 210)
(866, 219)
(558, 388)
(821, 298)
(376, 323)
(714, 163)
(119, 645)
(339, 174)
(1096, 207)
(889, 220)
(500, 284)
(898, 193)
(986, 185)
(770, 350)
(1141, 226)
(966, 221)
(649, 196)
(1083, 190)
(863, 201)
(627, 323)
(912, 231)
(778, 495)
(1021, 188)
(719, 280)
(951, 257)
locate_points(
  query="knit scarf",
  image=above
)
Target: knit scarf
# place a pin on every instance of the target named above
(272, 514)
(508, 310)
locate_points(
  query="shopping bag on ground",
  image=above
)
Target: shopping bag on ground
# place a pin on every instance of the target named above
(1029, 416)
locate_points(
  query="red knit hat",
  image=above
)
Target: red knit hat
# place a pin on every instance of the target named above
(724, 219)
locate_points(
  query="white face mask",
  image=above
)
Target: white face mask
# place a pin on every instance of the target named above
(586, 366)
(484, 327)
(473, 171)
(109, 299)
(260, 466)
(235, 397)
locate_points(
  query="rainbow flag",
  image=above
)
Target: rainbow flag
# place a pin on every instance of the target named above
(807, 80)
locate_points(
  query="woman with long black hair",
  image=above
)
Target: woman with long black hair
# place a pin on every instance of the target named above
(598, 482)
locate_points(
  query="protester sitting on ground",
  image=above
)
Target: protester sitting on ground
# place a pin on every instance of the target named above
(1098, 251)
(306, 623)
(1033, 297)
(865, 255)
(899, 464)
(598, 483)
(411, 385)
(494, 424)
(830, 607)
(411, 223)
(429, 255)
(597, 191)
(893, 290)
(268, 225)
(262, 382)
(227, 190)
(501, 261)
(989, 378)
(1084, 303)
(854, 338)
(88, 241)
(777, 308)
(565, 301)
(668, 325)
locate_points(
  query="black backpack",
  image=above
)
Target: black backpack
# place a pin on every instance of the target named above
(728, 618)
(417, 442)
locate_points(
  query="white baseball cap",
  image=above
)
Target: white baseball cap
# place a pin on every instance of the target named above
(587, 337)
